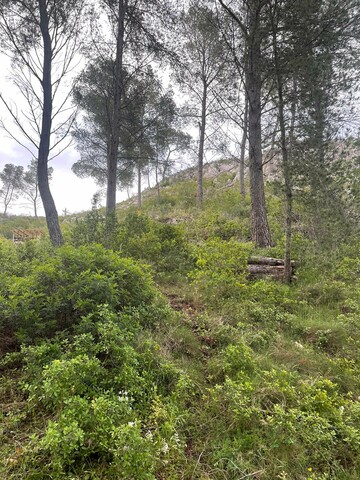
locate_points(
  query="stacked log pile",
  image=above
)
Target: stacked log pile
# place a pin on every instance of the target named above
(260, 267)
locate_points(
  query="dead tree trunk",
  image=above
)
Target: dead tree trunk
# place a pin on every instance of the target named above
(259, 267)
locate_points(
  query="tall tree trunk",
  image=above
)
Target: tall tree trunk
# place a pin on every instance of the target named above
(285, 158)
(7, 200)
(202, 127)
(157, 181)
(163, 176)
(51, 214)
(148, 179)
(139, 199)
(242, 149)
(5, 208)
(35, 199)
(112, 157)
(259, 222)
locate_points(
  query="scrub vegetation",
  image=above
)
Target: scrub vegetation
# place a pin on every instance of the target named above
(149, 354)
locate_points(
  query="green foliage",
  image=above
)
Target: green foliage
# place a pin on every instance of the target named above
(247, 378)
(9, 264)
(93, 227)
(159, 244)
(73, 281)
(108, 397)
(221, 269)
(9, 223)
(238, 359)
(214, 225)
(284, 419)
(162, 245)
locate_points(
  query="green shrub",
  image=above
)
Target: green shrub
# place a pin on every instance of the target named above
(349, 269)
(109, 398)
(161, 245)
(221, 269)
(238, 359)
(276, 423)
(71, 284)
(9, 258)
(92, 228)
(217, 225)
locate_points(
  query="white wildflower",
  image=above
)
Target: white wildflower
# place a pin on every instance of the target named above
(123, 396)
(165, 448)
(176, 439)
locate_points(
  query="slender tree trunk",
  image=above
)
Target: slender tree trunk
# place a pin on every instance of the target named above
(284, 155)
(164, 173)
(202, 127)
(7, 200)
(259, 222)
(116, 114)
(166, 165)
(287, 176)
(35, 199)
(242, 149)
(157, 182)
(51, 214)
(139, 199)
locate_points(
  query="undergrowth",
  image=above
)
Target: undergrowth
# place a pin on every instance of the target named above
(217, 377)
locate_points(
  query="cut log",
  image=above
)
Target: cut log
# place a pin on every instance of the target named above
(267, 261)
(260, 267)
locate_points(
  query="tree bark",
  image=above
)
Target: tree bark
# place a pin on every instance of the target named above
(51, 214)
(284, 155)
(242, 150)
(116, 114)
(275, 271)
(139, 199)
(202, 126)
(260, 228)
(252, 33)
(148, 177)
(270, 261)
(157, 182)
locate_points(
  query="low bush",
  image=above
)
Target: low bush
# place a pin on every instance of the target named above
(73, 281)
(221, 269)
(107, 398)
(161, 245)
(276, 423)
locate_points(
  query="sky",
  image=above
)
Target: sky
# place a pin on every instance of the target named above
(69, 191)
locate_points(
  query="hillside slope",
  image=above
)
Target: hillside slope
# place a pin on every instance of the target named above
(202, 374)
